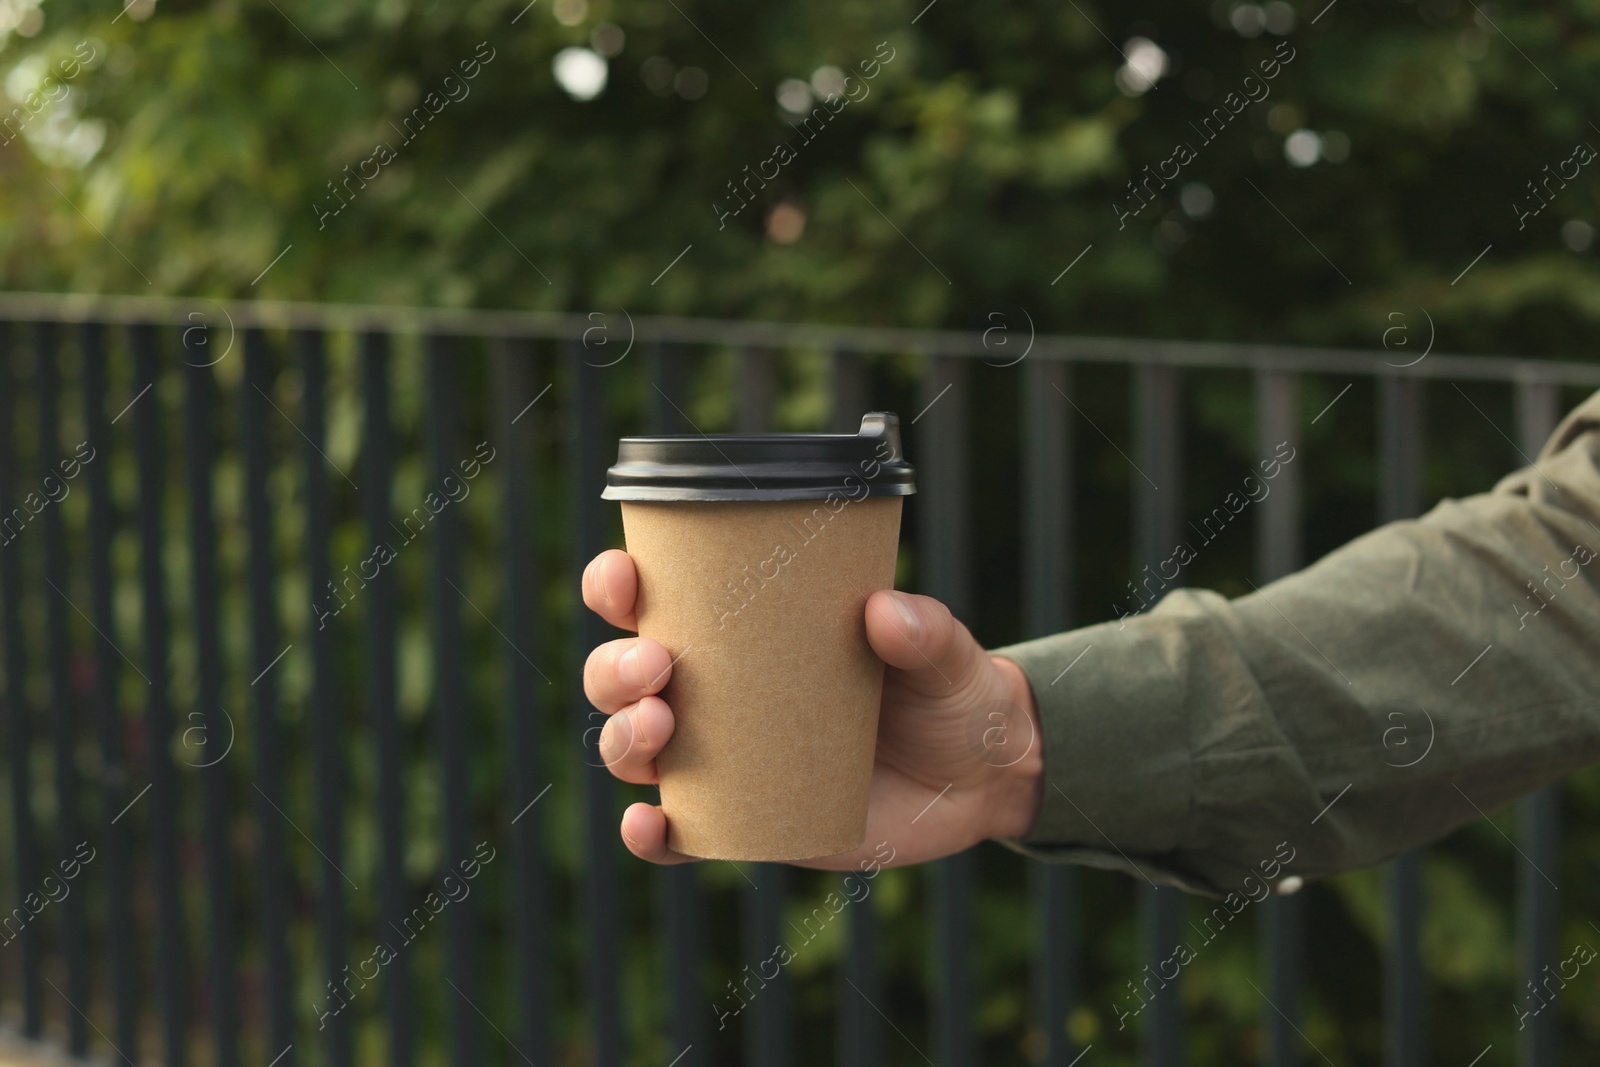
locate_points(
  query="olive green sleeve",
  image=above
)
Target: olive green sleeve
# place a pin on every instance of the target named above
(1412, 681)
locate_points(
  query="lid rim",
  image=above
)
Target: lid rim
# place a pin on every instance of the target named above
(763, 467)
(650, 494)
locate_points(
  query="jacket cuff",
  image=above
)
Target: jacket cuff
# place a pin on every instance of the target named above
(1119, 780)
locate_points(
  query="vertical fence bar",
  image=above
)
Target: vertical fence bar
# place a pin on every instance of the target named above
(18, 727)
(223, 993)
(171, 954)
(7, 521)
(382, 697)
(1403, 978)
(755, 390)
(1047, 489)
(589, 425)
(1056, 896)
(1158, 509)
(1538, 411)
(1158, 478)
(945, 547)
(769, 1030)
(681, 914)
(667, 371)
(63, 701)
(450, 708)
(680, 899)
(1539, 917)
(1278, 552)
(323, 710)
(1400, 437)
(1047, 606)
(1163, 929)
(114, 792)
(850, 389)
(1279, 540)
(1538, 817)
(860, 986)
(265, 633)
(517, 421)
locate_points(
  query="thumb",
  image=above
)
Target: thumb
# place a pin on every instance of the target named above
(918, 635)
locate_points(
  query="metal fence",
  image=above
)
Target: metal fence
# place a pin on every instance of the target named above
(201, 752)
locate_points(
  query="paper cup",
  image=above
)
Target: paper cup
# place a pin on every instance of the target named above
(756, 584)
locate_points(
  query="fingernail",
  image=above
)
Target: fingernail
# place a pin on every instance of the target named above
(629, 669)
(600, 581)
(908, 616)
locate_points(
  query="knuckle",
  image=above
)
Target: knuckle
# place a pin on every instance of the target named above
(939, 625)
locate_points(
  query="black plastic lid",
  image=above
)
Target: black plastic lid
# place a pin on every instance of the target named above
(767, 466)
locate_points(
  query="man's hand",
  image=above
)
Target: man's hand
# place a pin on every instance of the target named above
(960, 756)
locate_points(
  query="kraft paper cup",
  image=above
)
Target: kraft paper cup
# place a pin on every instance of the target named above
(756, 555)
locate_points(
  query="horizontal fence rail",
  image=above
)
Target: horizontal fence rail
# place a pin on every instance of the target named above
(292, 688)
(213, 316)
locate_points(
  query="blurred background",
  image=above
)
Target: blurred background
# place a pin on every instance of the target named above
(349, 242)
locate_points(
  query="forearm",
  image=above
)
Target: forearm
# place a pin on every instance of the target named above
(1367, 704)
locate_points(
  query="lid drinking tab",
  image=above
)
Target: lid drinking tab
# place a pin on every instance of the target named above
(768, 466)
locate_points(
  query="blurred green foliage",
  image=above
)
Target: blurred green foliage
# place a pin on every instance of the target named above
(984, 156)
(196, 144)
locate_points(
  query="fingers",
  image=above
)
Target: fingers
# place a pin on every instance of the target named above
(919, 635)
(610, 587)
(644, 831)
(619, 673)
(633, 737)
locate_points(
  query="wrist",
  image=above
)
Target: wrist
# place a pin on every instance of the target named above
(1017, 784)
